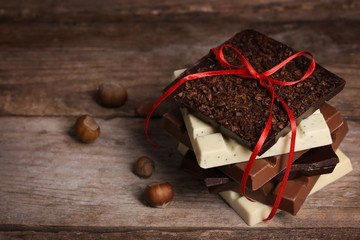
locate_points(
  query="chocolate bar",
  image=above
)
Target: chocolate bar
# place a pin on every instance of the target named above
(213, 149)
(173, 123)
(263, 169)
(317, 161)
(302, 167)
(258, 176)
(211, 177)
(296, 189)
(255, 212)
(239, 106)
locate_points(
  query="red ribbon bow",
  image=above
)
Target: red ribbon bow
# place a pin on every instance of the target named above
(249, 72)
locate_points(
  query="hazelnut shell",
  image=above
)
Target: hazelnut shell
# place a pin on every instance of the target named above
(159, 194)
(144, 167)
(86, 129)
(112, 94)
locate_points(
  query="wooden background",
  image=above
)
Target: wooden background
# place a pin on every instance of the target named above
(54, 54)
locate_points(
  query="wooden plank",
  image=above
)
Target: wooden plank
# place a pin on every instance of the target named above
(296, 233)
(48, 179)
(114, 10)
(54, 70)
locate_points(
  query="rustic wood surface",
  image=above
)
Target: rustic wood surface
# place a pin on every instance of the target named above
(54, 54)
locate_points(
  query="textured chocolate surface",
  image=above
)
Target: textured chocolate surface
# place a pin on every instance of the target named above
(240, 106)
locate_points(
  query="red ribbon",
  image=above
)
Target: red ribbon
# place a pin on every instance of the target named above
(249, 72)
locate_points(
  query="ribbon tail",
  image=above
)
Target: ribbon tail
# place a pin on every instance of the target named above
(257, 149)
(290, 160)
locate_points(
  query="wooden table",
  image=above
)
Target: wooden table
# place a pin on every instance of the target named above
(54, 54)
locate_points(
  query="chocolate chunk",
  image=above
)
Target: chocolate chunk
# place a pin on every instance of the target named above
(238, 106)
(339, 134)
(294, 196)
(317, 161)
(262, 170)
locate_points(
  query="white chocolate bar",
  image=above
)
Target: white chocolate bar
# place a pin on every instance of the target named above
(213, 149)
(255, 212)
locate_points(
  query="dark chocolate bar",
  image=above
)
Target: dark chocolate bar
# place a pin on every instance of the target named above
(211, 176)
(238, 106)
(316, 168)
(173, 124)
(320, 160)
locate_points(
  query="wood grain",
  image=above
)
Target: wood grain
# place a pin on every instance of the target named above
(54, 54)
(49, 71)
(115, 10)
(67, 183)
(274, 233)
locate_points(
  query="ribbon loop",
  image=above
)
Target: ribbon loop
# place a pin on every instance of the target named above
(249, 72)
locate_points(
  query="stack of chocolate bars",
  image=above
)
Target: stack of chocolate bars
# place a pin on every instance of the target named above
(219, 120)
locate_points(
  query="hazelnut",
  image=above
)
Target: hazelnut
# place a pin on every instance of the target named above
(159, 194)
(86, 129)
(143, 109)
(144, 167)
(112, 94)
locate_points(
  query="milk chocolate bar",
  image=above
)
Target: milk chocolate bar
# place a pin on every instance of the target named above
(296, 189)
(255, 212)
(239, 106)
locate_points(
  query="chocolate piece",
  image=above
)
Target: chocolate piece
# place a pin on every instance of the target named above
(263, 169)
(211, 177)
(295, 192)
(317, 161)
(332, 116)
(214, 180)
(336, 123)
(254, 212)
(294, 196)
(300, 167)
(339, 134)
(173, 123)
(338, 128)
(240, 106)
